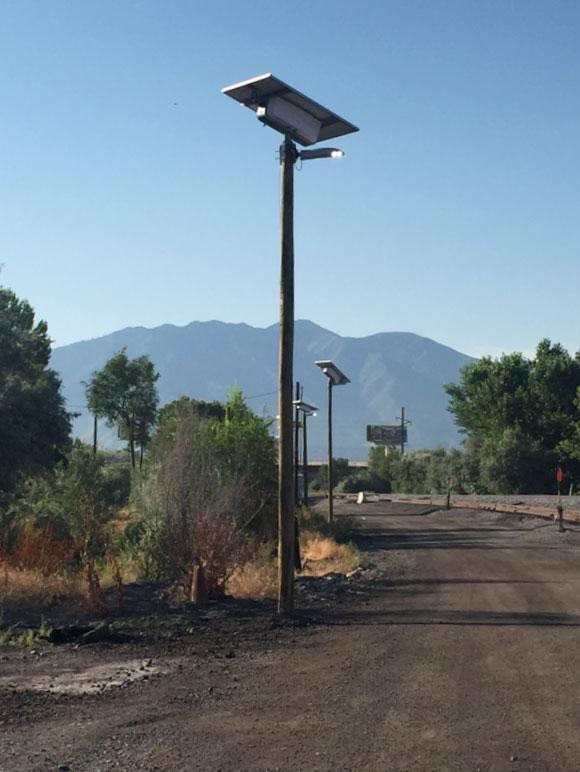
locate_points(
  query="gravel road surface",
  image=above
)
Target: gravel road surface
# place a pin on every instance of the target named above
(458, 649)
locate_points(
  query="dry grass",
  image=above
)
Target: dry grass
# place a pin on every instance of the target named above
(256, 580)
(320, 555)
(40, 550)
(27, 587)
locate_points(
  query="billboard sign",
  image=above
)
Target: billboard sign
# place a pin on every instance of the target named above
(382, 434)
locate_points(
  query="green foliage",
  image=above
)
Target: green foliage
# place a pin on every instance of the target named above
(169, 414)
(83, 500)
(193, 507)
(246, 450)
(14, 636)
(209, 482)
(69, 513)
(340, 471)
(125, 394)
(364, 481)
(570, 447)
(420, 471)
(515, 463)
(412, 472)
(522, 418)
(340, 529)
(34, 426)
(82, 486)
(117, 480)
(493, 394)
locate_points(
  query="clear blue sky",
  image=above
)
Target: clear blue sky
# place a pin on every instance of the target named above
(132, 192)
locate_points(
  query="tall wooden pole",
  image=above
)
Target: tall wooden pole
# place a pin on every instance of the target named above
(402, 431)
(330, 501)
(286, 535)
(304, 460)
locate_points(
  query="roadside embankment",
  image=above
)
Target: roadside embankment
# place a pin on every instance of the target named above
(537, 506)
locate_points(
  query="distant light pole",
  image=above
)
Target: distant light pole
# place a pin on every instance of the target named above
(296, 440)
(303, 120)
(335, 378)
(404, 423)
(306, 410)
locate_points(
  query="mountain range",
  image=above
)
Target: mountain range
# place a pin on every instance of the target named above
(206, 359)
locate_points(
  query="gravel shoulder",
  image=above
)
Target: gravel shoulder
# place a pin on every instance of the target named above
(456, 649)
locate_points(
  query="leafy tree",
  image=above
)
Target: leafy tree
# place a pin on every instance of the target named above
(554, 382)
(170, 415)
(522, 418)
(34, 425)
(83, 495)
(570, 447)
(412, 472)
(72, 506)
(384, 465)
(363, 481)
(536, 397)
(242, 448)
(516, 463)
(125, 394)
(247, 450)
(340, 471)
(420, 471)
(206, 483)
(493, 394)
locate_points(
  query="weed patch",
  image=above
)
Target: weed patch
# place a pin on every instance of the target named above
(29, 587)
(14, 636)
(320, 554)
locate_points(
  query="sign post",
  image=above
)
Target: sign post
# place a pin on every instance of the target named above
(559, 478)
(448, 497)
(384, 434)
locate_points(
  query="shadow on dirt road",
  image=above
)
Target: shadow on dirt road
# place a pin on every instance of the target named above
(456, 648)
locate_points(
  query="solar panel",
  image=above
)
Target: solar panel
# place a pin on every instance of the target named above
(256, 93)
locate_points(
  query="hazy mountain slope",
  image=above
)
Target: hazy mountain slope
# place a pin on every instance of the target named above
(205, 359)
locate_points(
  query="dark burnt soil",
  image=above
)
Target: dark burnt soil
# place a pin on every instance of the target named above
(455, 650)
(151, 642)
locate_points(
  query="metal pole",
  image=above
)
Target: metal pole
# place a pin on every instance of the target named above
(402, 431)
(304, 460)
(296, 444)
(560, 510)
(286, 535)
(330, 502)
(95, 436)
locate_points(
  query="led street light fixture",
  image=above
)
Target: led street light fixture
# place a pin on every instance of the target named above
(321, 152)
(288, 111)
(331, 371)
(287, 118)
(304, 407)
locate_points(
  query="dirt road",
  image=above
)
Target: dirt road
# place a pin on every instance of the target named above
(458, 650)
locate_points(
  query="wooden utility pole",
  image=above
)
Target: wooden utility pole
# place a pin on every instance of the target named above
(304, 460)
(402, 431)
(330, 501)
(286, 535)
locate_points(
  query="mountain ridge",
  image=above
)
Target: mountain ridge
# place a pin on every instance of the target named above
(206, 359)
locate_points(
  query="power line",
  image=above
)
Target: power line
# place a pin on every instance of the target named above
(253, 396)
(265, 394)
